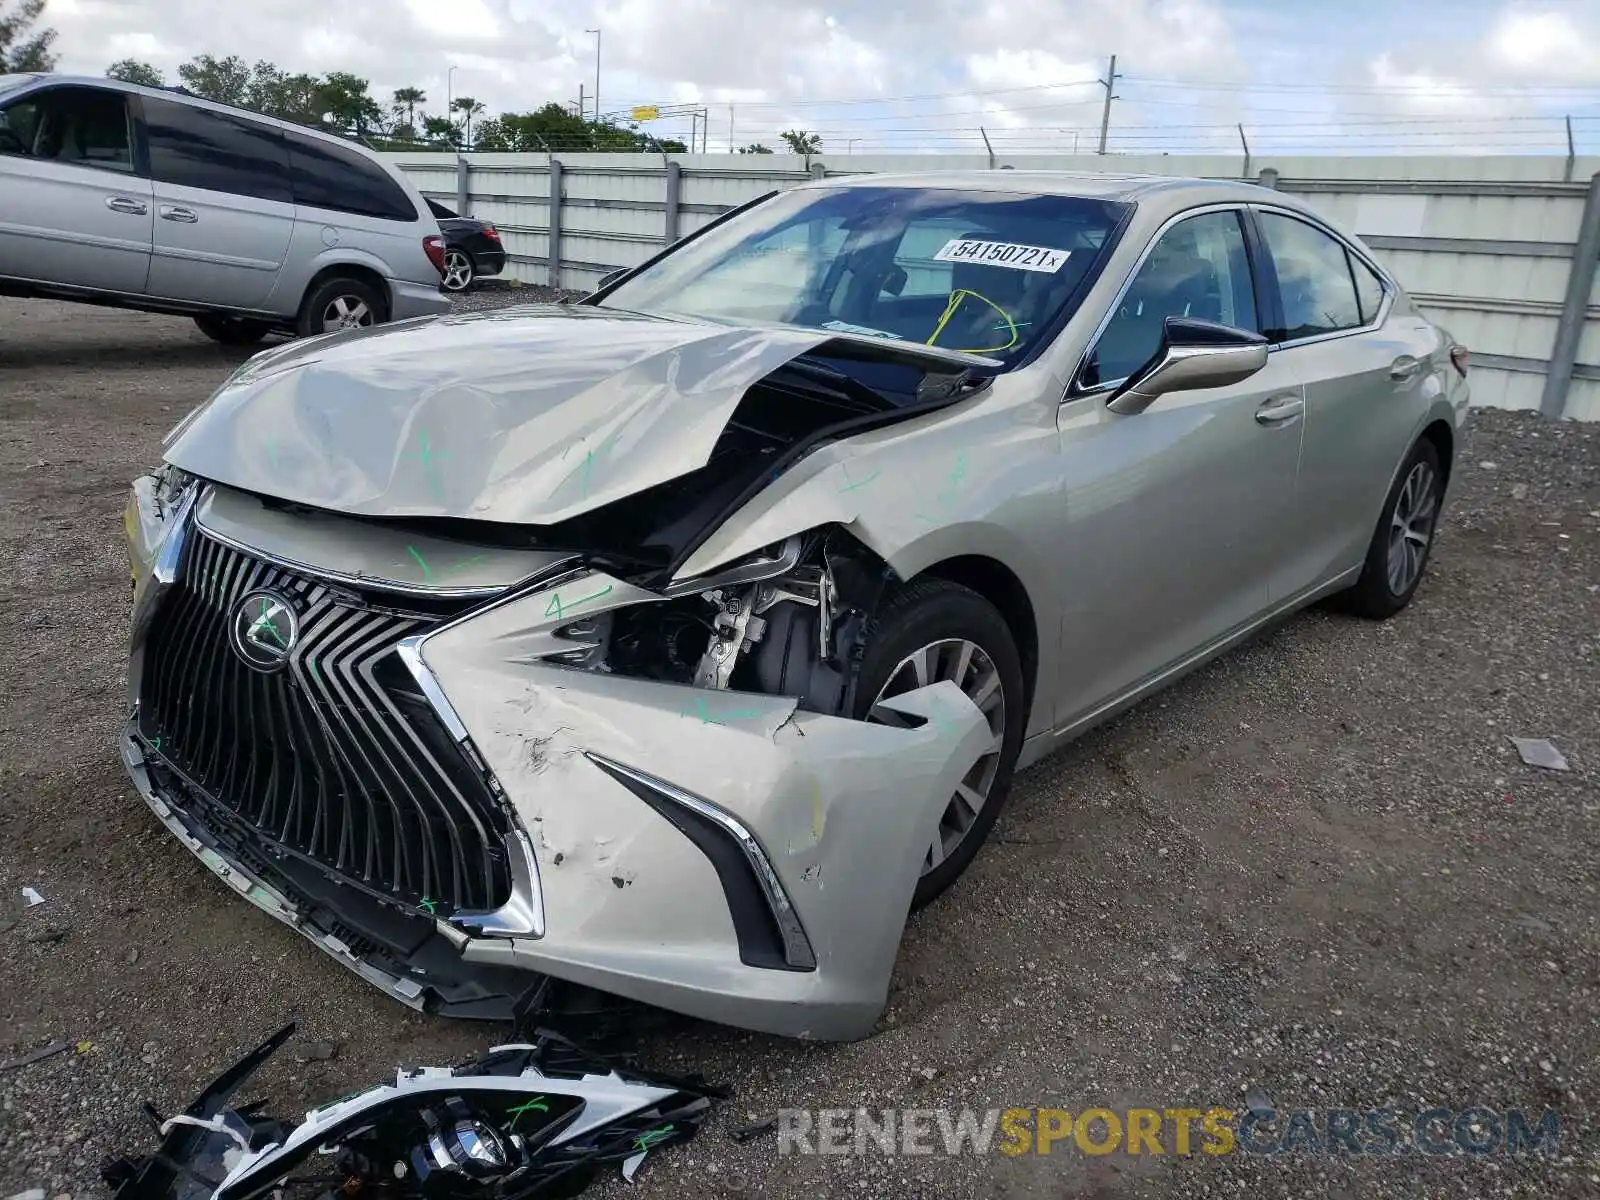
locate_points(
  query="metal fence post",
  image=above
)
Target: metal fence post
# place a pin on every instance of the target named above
(463, 185)
(1574, 309)
(674, 193)
(1269, 178)
(553, 255)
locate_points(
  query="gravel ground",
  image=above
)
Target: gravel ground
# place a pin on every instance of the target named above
(1317, 868)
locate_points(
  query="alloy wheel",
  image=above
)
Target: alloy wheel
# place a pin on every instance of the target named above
(1411, 527)
(457, 271)
(346, 312)
(970, 668)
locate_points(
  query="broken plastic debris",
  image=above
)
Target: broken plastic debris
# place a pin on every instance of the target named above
(524, 1121)
(33, 1056)
(747, 1133)
(31, 897)
(1540, 752)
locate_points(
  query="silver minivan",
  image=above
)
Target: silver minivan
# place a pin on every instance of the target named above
(155, 199)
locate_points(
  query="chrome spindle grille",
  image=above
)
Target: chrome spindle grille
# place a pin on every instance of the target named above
(336, 757)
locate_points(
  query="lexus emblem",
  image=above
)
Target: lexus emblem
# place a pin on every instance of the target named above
(265, 628)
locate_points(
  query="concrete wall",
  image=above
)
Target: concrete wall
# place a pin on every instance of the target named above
(1485, 245)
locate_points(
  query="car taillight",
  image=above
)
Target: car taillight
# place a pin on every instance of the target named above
(433, 247)
(1459, 358)
(489, 231)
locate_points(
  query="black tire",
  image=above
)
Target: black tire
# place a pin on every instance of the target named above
(1375, 594)
(919, 615)
(468, 264)
(315, 312)
(232, 331)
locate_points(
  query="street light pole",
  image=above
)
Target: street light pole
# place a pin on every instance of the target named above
(596, 33)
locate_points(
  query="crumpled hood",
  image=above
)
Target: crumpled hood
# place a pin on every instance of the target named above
(524, 415)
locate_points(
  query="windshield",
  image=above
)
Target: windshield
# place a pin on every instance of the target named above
(985, 272)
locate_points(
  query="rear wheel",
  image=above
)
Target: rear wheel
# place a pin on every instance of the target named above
(232, 331)
(458, 270)
(1398, 553)
(340, 303)
(932, 631)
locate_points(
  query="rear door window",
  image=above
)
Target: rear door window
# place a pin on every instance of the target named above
(1314, 279)
(1369, 289)
(332, 177)
(192, 147)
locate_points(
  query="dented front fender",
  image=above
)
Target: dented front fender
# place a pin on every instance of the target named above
(638, 795)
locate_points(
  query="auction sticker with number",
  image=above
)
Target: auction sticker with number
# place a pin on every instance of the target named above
(1003, 254)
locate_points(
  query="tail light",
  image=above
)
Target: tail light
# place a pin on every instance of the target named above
(1459, 359)
(489, 231)
(433, 247)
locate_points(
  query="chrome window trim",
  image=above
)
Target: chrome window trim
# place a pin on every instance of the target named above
(1390, 287)
(1075, 390)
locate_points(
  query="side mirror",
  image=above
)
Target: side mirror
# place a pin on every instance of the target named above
(1194, 354)
(611, 277)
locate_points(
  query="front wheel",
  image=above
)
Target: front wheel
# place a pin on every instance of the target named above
(340, 303)
(932, 631)
(1400, 545)
(458, 270)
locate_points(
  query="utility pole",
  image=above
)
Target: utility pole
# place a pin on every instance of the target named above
(596, 33)
(732, 150)
(583, 110)
(1109, 82)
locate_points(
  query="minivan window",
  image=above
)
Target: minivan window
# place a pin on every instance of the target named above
(329, 176)
(83, 126)
(195, 148)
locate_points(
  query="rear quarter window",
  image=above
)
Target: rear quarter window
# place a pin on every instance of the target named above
(338, 179)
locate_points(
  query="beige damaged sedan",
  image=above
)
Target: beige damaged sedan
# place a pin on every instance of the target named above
(675, 643)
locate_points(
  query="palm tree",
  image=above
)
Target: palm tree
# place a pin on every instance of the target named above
(803, 143)
(408, 98)
(468, 108)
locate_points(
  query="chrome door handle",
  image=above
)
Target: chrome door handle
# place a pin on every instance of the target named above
(1276, 412)
(171, 212)
(126, 204)
(1404, 368)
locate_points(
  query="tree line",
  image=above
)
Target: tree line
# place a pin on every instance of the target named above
(344, 102)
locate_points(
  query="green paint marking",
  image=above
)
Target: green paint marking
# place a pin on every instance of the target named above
(854, 485)
(537, 1104)
(158, 745)
(430, 465)
(263, 624)
(645, 1140)
(272, 451)
(558, 608)
(316, 672)
(431, 905)
(463, 564)
(584, 469)
(427, 574)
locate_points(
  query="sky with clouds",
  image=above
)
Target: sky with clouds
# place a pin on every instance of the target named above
(1358, 76)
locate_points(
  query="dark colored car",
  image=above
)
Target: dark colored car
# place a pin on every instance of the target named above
(471, 248)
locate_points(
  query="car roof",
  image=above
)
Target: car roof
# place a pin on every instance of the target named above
(184, 97)
(1179, 191)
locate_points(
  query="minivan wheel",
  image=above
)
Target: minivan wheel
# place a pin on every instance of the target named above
(340, 303)
(232, 331)
(458, 270)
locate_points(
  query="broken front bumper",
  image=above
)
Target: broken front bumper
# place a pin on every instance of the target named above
(716, 853)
